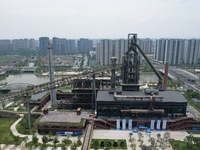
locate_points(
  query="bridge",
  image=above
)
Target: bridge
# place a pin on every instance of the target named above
(28, 69)
(169, 75)
(7, 113)
(186, 75)
(15, 86)
(88, 136)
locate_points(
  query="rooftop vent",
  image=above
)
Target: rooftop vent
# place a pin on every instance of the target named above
(151, 91)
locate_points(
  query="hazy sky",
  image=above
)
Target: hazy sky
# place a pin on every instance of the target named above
(99, 18)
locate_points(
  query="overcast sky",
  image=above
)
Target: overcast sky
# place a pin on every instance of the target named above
(99, 18)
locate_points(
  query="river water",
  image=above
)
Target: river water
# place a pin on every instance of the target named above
(33, 79)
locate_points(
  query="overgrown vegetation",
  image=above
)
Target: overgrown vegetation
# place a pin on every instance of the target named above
(8, 59)
(189, 94)
(6, 137)
(23, 125)
(189, 143)
(2, 77)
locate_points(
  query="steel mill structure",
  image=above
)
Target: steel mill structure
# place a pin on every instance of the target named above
(114, 102)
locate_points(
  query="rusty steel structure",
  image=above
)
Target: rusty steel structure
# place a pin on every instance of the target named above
(131, 64)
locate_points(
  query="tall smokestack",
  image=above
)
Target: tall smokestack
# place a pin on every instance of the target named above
(113, 61)
(165, 77)
(51, 76)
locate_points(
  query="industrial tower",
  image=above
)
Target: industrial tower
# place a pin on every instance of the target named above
(51, 76)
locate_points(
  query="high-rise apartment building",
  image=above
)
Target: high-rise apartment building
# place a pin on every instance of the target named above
(17, 44)
(108, 48)
(56, 46)
(191, 51)
(5, 45)
(146, 45)
(111, 48)
(70, 46)
(177, 51)
(43, 43)
(85, 45)
(32, 44)
(120, 47)
(62, 46)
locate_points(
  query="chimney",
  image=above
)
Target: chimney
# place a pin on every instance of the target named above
(165, 77)
(51, 76)
(113, 61)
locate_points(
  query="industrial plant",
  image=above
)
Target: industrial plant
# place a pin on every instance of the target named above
(99, 101)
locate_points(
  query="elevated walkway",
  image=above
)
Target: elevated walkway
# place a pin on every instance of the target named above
(15, 86)
(8, 113)
(88, 136)
(169, 75)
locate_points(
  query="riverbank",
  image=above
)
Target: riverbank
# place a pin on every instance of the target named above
(39, 79)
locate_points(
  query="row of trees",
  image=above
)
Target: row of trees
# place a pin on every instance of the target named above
(160, 142)
(64, 144)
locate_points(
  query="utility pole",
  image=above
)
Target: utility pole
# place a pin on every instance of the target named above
(94, 94)
(28, 109)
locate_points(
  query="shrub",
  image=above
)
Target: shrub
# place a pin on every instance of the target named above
(102, 144)
(108, 144)
(115, 144)
(122, 144)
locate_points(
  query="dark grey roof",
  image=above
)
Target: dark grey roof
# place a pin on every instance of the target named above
(168, 96)
(38, 96)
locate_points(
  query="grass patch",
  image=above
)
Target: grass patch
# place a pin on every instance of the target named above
(108, 144)
(180, 145)
(23, 127)
(193, 132)
(8, 59)
(6, 137)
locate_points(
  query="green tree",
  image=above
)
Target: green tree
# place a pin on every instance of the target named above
(133, 146)
(130, 136)
(63, 146)
(73, 146)
(153, 142)
(158, 137)
(79, 143)
(67, 141)
(167, 136)
(163, 143)
(34, 140)
(96, 145)
(141, 142)
(196, 141)
(44, 140)
(140, 136)
(189, 140)
(55, 141)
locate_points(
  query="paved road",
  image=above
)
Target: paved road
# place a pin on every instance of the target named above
(193, 111)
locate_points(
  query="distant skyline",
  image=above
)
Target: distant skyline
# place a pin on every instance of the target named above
(95, 19)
